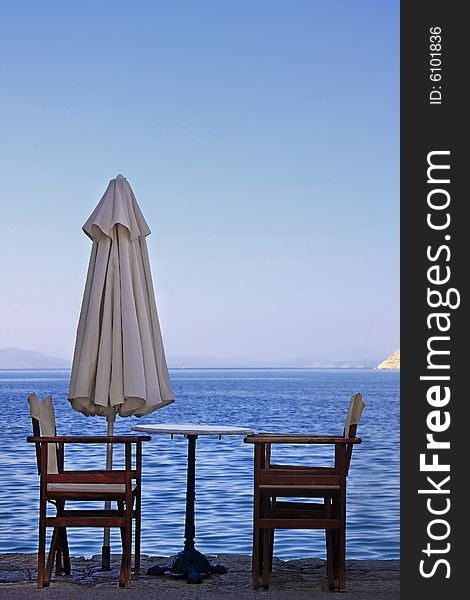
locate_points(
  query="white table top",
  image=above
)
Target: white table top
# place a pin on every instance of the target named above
(192, 429)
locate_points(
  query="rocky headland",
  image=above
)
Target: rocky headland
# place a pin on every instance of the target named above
(392, 362)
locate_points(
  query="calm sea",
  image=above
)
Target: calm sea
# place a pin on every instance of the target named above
(292, 400)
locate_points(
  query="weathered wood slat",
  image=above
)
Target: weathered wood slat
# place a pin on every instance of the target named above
(280, 523)
(299, 439)
(111, 477)
(268, 477)
(86, 522)
(79, 512)
(90, 439)
(305, 468)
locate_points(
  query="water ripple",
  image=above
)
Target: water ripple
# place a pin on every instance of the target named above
(306, 401)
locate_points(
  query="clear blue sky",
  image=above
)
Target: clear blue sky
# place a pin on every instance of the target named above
(262, 142)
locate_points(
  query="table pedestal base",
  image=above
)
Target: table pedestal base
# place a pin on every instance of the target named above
(189, 563)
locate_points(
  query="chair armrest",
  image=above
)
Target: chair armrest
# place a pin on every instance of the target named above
(291, 438)
(278, 433)
(89, 439)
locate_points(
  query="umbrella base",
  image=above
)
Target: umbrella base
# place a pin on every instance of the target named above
(189, 563)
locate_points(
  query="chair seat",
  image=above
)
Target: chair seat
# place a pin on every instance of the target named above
(111, 488)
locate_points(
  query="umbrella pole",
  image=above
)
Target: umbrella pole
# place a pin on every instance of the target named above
(106, 548)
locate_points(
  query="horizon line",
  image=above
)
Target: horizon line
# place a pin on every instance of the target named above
(218, 368)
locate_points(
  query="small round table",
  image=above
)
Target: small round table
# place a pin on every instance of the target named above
(190, 563)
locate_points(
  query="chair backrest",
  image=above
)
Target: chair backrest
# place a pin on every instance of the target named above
(356, 406)
(43, 418)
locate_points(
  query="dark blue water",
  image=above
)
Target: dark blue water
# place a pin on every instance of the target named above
(294, 400)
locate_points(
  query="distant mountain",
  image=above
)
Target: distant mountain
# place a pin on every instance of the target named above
(365, 363)
(198, 362)
(211, 362)
(392, 362)
(18, 358)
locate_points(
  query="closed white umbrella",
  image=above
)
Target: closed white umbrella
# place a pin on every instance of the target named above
(119, 362)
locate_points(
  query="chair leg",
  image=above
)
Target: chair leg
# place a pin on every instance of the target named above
(65, 550)
(261, 550)
(271, 543)
(335, 552)
(266, 557)
(329, 533)
(271, 550)
(120, 504)
(330, 559)
(257, 542)
(335, 542)
(342, 546)
(125, 577)
(63, 557)
(41, 545)
(58, 563)
(264, 547)
(50, 559)
(137, 534)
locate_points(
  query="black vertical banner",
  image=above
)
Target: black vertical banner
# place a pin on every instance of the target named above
(435, 267)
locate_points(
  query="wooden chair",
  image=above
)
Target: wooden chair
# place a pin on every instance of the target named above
(327, 484)
(58, 485)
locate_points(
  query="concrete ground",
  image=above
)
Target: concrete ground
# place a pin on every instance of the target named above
(291, 580)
